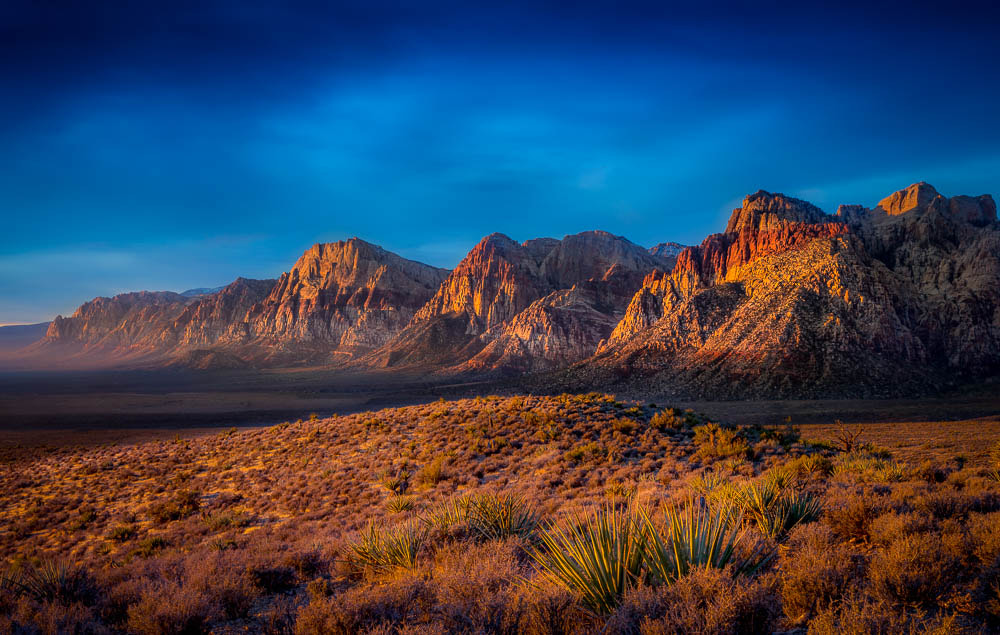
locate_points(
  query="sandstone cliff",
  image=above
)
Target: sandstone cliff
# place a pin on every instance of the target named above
(791, 301)
(523, 306)
(339, 299)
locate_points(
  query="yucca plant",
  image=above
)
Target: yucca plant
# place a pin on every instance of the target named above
(788, 512)
(759, 498)
(447, 514)
(395, 483)
(698, 537)
(496, 516)
(398, 504)
(380, 549)
(599, 558)
(706, 483)
(780, 477)
(775, 511)
(51, 581)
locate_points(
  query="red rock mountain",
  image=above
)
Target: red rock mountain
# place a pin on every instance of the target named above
(339, 299)
(527, 306)
(791, 301)
(787, 301)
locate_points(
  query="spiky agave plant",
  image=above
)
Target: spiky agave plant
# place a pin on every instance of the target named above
(497, 516)
(398, 504)
(698, 537)
(599, 557)
(380, 549)
(776, 512)
(447, 514)
(51, 580)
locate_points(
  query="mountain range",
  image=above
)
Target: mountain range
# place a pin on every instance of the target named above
(787, 301)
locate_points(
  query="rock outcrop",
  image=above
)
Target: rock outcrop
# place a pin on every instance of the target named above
(790, 301)
(349, 297)
(511, 306)
(338, 300)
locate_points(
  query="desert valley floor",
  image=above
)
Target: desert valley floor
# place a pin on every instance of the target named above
(486, 514)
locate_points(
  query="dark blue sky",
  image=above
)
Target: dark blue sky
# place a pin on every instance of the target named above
(181, 144)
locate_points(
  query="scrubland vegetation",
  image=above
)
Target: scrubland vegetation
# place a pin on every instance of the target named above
(570, 514)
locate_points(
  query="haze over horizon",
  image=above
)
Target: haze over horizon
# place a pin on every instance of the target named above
(181, 145)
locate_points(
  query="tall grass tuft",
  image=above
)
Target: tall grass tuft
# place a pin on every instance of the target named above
(698, 537)
(496, 516)
(598, 558)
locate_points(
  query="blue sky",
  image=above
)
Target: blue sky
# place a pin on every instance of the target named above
(183, 144)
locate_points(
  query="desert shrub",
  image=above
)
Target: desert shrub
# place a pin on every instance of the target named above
(852, 520)
(930, 472)
(913, 569)
(396, 483)
(398, 504)
(169, 608)
(889, 526)
(718, 442)
(785, 436)
(378, 549)
(585, 452)
(868, 467)
(122, 533)
(669, 419)
(184, 504)
(496, 516)
(476, 587)
(698, 537)
(815, 572)
(859, 614)
(984, 534)
(705, 601)
(598, 557)
(149, 546)
(811, 466)
(85, 517)
(365, 609)
(624, 425)
(222, 520)
(432, 473)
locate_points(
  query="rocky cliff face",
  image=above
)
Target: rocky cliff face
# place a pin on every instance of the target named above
(348, 297)
(791, 301)
(149, 326)
(523, 306)
(338, 299)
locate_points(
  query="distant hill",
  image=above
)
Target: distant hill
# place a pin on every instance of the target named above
(18, 336)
